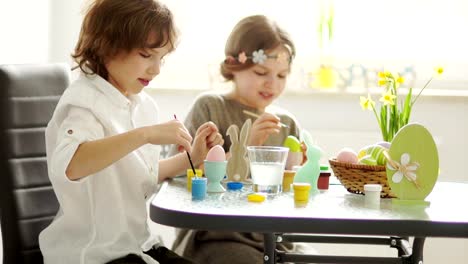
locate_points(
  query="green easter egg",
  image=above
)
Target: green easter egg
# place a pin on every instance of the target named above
(293, 144)
(415, 146)
(368, 160)
(376, 151)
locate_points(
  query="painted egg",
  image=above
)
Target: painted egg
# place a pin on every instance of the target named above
(347, 155)
(293, 144)
(216, 153)
(368, 160)
(376, 151)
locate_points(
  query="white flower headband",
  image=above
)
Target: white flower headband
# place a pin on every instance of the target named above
(258, 57)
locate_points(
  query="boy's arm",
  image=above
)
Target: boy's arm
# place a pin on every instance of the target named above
(173, 166)
(93, 156)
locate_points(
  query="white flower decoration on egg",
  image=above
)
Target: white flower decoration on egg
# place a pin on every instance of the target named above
(259, 56)
(405, 169)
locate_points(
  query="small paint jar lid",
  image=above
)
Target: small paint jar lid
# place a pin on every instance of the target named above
(234, 186)
(256, 197)
(324, 167)
(301, 186)
(373, 187)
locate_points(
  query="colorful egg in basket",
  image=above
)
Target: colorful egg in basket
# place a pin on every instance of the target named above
(354, 176)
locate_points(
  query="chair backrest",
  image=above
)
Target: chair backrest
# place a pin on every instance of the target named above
(28, 201)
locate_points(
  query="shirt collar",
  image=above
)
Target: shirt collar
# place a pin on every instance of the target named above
(114, 95)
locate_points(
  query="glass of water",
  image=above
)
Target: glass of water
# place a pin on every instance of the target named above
(267, 168)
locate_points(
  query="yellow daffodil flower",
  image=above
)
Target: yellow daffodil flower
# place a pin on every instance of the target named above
(367, 103)
(382, 82)
(388, 98)
(400, 79)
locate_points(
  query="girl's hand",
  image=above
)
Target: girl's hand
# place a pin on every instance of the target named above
(304, 152)
(171, 132)
(207, 136)
(265, 125)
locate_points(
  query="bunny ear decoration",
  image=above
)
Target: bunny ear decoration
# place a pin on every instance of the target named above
(233, 133)
(245, 132)
(313, 150)
(307, 138)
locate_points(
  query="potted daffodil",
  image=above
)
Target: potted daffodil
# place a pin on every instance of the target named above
(393, 115)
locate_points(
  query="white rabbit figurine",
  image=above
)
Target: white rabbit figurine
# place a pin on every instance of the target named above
(238, 164)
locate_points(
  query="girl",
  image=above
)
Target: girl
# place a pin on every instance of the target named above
(103, 139)
(258, 60)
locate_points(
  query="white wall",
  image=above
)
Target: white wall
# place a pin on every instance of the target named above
(336, 120)
(36, 31)
(24, 31)
(64, 35)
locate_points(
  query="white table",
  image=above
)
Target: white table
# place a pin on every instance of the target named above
(332, 216)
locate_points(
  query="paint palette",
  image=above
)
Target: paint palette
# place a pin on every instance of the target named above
(413, 167)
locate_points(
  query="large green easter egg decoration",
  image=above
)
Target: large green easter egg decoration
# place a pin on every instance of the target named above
(414, 169)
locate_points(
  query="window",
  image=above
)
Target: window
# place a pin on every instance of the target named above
(411, 37)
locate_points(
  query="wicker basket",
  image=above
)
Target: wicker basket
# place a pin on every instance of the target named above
(354, 176)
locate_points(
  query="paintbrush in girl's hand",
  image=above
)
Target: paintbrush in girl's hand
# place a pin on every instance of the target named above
(188, 155)
(257, 116)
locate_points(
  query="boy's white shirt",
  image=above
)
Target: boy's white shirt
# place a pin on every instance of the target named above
(103, 216)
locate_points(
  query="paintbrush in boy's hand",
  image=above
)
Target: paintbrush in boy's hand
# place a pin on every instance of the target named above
(188, 155)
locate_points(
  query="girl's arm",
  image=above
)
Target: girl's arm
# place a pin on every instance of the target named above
(93, 156)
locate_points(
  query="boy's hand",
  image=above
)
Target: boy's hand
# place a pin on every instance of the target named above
(171, 132)
(265, 125)
(207, 136)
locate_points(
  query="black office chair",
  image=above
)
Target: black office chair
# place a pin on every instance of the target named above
(28, 202)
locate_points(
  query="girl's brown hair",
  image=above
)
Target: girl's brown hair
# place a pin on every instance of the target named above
(112, 26)
(251, 34)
